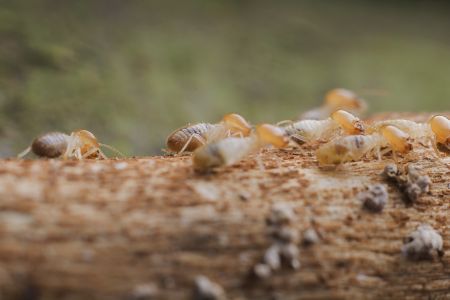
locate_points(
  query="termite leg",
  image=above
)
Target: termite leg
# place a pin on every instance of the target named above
(436, 150)
(196, 136)
(92, 151)
(112, 149)
(238, 134)
(394, 156)
(386, 151)
(297, 139)
(70, 147)
(378, 153)
(434, 145)
(78, 154)
(102, 155)
(24, 152)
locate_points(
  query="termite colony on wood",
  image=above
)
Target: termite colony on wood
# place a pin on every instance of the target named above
(338, 135)
(334, 128)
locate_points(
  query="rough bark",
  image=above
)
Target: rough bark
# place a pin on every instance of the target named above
(146, 227)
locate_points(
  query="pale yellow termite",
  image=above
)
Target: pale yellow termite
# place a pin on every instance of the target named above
(354, 147)
(80, 144)
(436, 130)
(334, 100)
(311, 130)
(190, 137)
(231, 150)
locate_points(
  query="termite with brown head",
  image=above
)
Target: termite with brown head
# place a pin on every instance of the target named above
(354, 147)
(190, 137)
(80, 144)
(436, 130)
(311, 130)
(231, 150)
(334, 100)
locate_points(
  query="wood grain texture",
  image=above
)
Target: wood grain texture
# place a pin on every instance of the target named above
(147, 227)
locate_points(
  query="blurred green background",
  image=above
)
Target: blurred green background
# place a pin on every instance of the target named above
(132, 71)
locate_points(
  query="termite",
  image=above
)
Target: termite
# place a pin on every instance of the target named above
(190, 137)
(334, 100)
(310, 130)
(354, 147)
(436, 130)
(231, 150)
(80, 144)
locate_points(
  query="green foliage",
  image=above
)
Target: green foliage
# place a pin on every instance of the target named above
(133, 71)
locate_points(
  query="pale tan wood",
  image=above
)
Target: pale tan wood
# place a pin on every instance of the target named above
(118, 229)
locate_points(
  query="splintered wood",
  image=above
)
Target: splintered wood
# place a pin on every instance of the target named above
(148, 228)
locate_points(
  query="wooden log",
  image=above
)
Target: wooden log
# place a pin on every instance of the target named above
(145, 228)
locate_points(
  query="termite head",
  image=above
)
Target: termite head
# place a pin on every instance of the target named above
(270, 134)
(87, 140)
(440, 126)
(348, 122)
(398, 139)
(344, 99)
(237, 124)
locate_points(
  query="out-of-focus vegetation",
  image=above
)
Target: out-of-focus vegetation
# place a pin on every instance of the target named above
(132, 71)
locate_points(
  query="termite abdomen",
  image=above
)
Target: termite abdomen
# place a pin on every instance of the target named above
(50, 145)
(178, 139)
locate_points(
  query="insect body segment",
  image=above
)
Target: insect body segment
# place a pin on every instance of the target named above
(188, 137)
(334, 100)
(237, 124)
(344, 99)
(81, 144)
(398, 139)
(436, 130)
(348, 122)
(231, 150)
(269, 134)
(50, 145)
(414, 129)
(191, 137)
(440, 126)
(310, 130)
(354, 147)
(347, 148)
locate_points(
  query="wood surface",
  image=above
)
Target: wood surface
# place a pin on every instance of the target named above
(145, 228)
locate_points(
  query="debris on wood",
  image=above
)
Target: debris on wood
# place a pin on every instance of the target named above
(284, 249)
(411, 182)
(205, 289)
(310, 237)
(390, 172)
(375, 198)
(421, 243)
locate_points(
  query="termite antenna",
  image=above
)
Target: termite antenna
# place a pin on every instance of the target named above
(24, 152)
(285, 123)
(112, 149)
